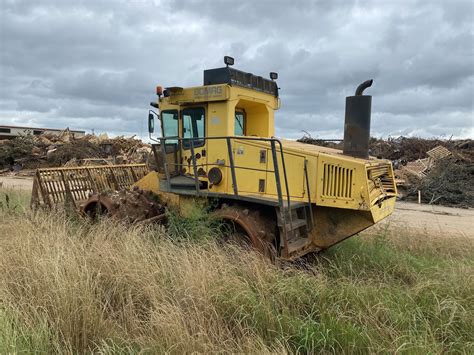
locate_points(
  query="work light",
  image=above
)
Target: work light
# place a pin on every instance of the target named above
(228, 60)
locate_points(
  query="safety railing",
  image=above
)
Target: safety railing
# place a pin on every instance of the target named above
(284, 206)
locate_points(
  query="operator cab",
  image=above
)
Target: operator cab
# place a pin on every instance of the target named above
(196, 121)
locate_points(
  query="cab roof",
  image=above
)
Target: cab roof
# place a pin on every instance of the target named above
(234, 77)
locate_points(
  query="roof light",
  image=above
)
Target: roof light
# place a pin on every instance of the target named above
(273, 75)
(228, 60)
(159, 90)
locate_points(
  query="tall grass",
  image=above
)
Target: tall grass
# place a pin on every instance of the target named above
(12, 200)
(69, 286)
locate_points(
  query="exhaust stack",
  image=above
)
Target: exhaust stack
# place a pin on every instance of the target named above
(357, 122)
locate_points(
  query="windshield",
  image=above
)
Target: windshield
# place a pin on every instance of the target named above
(169, 122)
(193, 126)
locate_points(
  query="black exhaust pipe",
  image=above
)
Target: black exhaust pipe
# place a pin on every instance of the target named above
(357, 122)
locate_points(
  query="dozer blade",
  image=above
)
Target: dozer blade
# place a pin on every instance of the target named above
(54, 186)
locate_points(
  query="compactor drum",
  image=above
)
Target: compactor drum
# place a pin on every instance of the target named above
(131, 206)
(217, 145)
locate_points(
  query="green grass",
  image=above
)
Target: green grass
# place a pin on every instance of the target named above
(14, 200)
(197, 226)
(69, 286)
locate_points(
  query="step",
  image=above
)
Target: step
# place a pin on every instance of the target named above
(182, 181)
(294, 205)
(297, 244)
(293, 211)
(296, 223)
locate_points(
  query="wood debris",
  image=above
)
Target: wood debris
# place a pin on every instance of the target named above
(54, 150)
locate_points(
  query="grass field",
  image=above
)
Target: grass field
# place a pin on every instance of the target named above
(70, 286)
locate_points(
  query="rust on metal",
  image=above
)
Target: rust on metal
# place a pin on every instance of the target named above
(130, 206)
(52, 186)
(259, 229)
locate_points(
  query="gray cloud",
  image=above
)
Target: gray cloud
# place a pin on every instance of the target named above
(94, 64)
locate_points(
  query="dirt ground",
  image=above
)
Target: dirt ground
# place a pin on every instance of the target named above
(14, 182)
(431, 220)
(427, 219)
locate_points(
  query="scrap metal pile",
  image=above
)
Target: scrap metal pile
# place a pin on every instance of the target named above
(442, 170)
(29, 152)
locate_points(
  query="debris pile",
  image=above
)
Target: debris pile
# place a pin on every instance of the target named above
(444, 176)
(441, 170)
(53, 150)
(449, 182)
(331, 143)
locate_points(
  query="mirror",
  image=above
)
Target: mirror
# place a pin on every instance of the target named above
(151, 123)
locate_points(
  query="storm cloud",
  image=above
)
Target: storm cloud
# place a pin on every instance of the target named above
(94, 64)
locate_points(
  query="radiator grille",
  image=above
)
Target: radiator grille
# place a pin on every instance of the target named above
(337, 181)
(381, 182)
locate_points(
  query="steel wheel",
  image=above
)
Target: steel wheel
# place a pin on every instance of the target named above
(250, 228)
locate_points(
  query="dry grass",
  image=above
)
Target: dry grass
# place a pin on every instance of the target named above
(422, 242)
(67, 286)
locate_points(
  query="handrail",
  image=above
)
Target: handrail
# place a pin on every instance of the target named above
(259, 139)
(232, 166)
(193, 158)
(245, 138)
(225, 166)
(280, 197)
(310, 207)
(165, 163)
(284, 174)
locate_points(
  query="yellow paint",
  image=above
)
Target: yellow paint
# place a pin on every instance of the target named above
(336, 181)
(149, 182)
(383, 210)
(198, 94)
(185, 204)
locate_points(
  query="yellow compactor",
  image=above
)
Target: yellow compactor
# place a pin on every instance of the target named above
(218, 144)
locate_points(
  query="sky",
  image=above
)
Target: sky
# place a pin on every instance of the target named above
(94, 65)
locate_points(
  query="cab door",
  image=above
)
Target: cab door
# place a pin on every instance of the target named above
(171, 145)
(193, 132)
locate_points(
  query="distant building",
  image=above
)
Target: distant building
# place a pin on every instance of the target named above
(10, 132)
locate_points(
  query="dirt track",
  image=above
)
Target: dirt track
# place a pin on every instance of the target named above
(428, 219)
(432, 220)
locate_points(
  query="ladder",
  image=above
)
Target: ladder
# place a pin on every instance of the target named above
(295, 223)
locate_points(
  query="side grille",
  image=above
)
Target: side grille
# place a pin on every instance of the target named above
(337, 181)
(381, 182)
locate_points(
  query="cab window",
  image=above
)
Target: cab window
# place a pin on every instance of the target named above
(169, 124)
(239, 123)
(193, 126)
